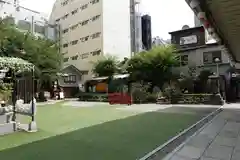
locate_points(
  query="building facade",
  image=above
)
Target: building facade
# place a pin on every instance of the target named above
(195, 52)
(27, 19)
(146, 32)
(136, 26)
(91, 29)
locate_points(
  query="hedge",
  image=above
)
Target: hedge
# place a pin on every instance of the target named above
(212, 99)
(93, 97)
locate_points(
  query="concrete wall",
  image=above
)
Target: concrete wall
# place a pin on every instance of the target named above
(198, 32)
(195, 58)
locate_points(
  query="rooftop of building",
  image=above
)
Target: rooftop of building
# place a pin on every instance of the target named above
(187, 29)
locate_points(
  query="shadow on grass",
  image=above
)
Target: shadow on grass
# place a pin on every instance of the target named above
(125, 139)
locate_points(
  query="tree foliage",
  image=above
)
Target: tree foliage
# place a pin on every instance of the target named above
(41, 52)
(153, 66)
(107, 66)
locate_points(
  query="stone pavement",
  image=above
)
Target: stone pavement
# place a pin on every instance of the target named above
(218, 140)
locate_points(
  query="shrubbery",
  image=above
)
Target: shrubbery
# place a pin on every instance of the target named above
(212, 99)
(93, 97)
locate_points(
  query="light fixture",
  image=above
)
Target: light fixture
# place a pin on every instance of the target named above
(201, 16)
(194, 3)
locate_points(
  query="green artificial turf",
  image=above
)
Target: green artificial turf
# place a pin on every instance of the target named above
(98, 133)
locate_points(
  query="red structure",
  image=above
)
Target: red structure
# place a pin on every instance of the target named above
(119, 98)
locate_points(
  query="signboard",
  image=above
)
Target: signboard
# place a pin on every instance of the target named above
(188, 40)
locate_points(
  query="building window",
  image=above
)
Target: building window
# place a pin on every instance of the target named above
(57, 20)
(84, 39)
(84, 55)
(65, 45)
(94, 1)
(65, 30)
(74, 42)
(210, 57)
(64, 3)
(96, 53)
(65, 59)
(188, 40)
(95, 17)
(65, 17)
(70, 79)
(84, 6)
(74, 57)
(183, 60)
(96, 35)
(84, 22)
(74, 11)
(74, 26)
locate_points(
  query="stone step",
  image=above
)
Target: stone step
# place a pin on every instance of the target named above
(6, 128)
(5, 118)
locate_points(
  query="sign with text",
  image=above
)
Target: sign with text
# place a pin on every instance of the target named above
(188, 40)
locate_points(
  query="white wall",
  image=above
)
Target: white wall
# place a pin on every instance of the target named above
(116, 28)
(8, 9)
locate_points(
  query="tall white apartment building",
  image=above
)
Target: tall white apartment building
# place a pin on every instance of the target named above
(91, 29)
(27, 19)
(136, 26)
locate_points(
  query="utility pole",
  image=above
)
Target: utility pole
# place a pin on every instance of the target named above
(133, 26)
(32, 24)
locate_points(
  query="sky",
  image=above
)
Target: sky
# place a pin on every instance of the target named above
(167, 15)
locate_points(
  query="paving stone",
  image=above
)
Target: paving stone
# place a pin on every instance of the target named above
(232, 126)
(221, 134)
(177, 157)
(210, 133)
(229, 133)
(223, 141)
(200, 141)
(191, 152)
(236, 155)
(219, 152)
(227, 114)
(237, 147)
(232, 116)
(206, 158)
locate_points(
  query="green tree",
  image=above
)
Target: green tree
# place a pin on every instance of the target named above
(153, 66)
(122, 66)
(41, 52)
(107, 66)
